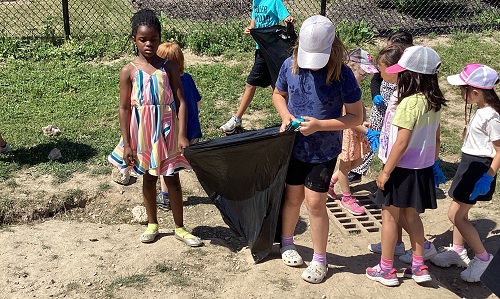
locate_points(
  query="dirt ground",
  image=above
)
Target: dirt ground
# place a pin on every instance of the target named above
(90, 248)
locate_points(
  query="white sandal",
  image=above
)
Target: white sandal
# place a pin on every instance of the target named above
(315, 273)
(290, 256)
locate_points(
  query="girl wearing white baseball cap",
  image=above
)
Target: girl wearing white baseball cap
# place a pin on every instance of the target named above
(475, 178)
(317, 84)
(406, 183)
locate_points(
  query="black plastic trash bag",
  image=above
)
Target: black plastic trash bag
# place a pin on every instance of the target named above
(244, 175)
(276, 44)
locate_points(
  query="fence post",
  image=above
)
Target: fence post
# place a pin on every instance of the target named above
(323, 8)
(66, 18)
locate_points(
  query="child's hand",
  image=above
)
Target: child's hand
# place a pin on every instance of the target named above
(482, 186)
(382, 179)
(128, 156)
(310, 126)
(285, 122)
(439, 177)
(378, 100)
(182, 143)
(367, 124)
(289, 19)
(373, 139)
(247, 30)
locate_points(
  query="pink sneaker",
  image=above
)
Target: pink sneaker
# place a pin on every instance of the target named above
(331, 192)
(387, 277)
(419, 273)
(351, 205)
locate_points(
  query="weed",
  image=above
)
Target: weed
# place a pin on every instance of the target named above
(162, 267)
(354, 33)
(134, 280)
(180, 281)
(195, 252)
(54, 257)
(11, 183)
(72, 286)
(101, 170)
(104, 187)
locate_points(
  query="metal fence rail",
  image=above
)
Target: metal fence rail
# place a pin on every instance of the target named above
(59, 18)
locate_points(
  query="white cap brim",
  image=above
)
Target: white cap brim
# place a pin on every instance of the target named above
(455, 80)
(308, 60)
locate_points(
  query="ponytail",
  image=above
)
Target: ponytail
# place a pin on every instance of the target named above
(491, 98)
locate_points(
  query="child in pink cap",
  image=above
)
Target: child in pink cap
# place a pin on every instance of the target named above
(475, 178)
(406, 182)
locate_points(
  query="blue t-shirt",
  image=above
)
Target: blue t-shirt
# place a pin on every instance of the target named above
(192, 97)
(267, 13)
(309, 95)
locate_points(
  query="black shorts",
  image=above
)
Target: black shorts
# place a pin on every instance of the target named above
(470, 170)
(409, 188)
(259, 75)
(314, 176)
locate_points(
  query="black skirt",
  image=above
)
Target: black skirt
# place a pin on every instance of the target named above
(409, 188)
(470, 170)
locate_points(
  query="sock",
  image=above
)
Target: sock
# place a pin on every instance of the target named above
(320, 258)
(237, 118)
(386, 264)
(152, 227)
(333, 181)
(417, 260)
(485, 256)
(285, 241)
(427, 245)
(458, 248)
(346, 194)
(399, 243)
(164, 193)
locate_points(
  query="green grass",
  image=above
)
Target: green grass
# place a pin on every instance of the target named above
(81, 98)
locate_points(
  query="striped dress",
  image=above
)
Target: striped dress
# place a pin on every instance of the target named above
(153, 128)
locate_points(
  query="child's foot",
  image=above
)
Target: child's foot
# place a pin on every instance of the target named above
(377, 248)
(5, 149)
(162, 201)
(232, 124)
(290, 256)
(419, 273)
(150, 234)
(428, 254)
(331, 192)
(315, 272)
(351, 205)
(448, 257)
(387, 277)
(475, 270)
(186, 237)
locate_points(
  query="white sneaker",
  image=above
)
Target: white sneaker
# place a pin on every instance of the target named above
(475, 270)
(5, 149)
(231, 124)
(377, 248)
(447, 257)
(428, 254)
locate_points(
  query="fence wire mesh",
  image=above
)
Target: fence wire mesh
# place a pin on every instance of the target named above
(44, 18)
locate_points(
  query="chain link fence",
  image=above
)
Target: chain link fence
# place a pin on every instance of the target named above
(83, 18)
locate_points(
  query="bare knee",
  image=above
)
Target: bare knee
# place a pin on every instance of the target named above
(173, 183)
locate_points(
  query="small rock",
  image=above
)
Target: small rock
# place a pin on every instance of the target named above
(323, 297)
(55, 154)
(51, 130)
(93, 240)
(88, 284)
(140, 216)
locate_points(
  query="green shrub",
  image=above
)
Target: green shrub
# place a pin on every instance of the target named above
(354, 33)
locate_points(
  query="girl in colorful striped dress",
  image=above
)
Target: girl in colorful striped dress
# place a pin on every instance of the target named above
(153, 133)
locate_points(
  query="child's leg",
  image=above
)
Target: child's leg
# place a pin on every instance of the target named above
(318, 217)
(294, 196)
(415, 229)
(463, 229)
(164, 188)
(246, 99)
(149, 194)
(344, 168)
(173, 184)
(390, 218)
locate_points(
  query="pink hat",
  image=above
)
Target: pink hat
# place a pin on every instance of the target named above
(418, 59)
(475, 75)
(364, 59)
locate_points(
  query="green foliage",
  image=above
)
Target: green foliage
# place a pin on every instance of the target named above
(353, 34)
(414, 5)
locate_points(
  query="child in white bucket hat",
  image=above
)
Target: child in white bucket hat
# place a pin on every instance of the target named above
(317, 84)
(406, 183)
(475, 178)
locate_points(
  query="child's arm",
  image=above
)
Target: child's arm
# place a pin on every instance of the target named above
(279, 101)
(124, 112)
(178, 93)
(398, 150)
(495, 164)
(353, 117)
(252, 25)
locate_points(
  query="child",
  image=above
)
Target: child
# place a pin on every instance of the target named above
(265, 13)
(406, 181)
(381, 90)
(475, 179)
(354, 142)
(192, 96)
(387, 57)
(317, 85)
(153, 134)
(4, 146)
